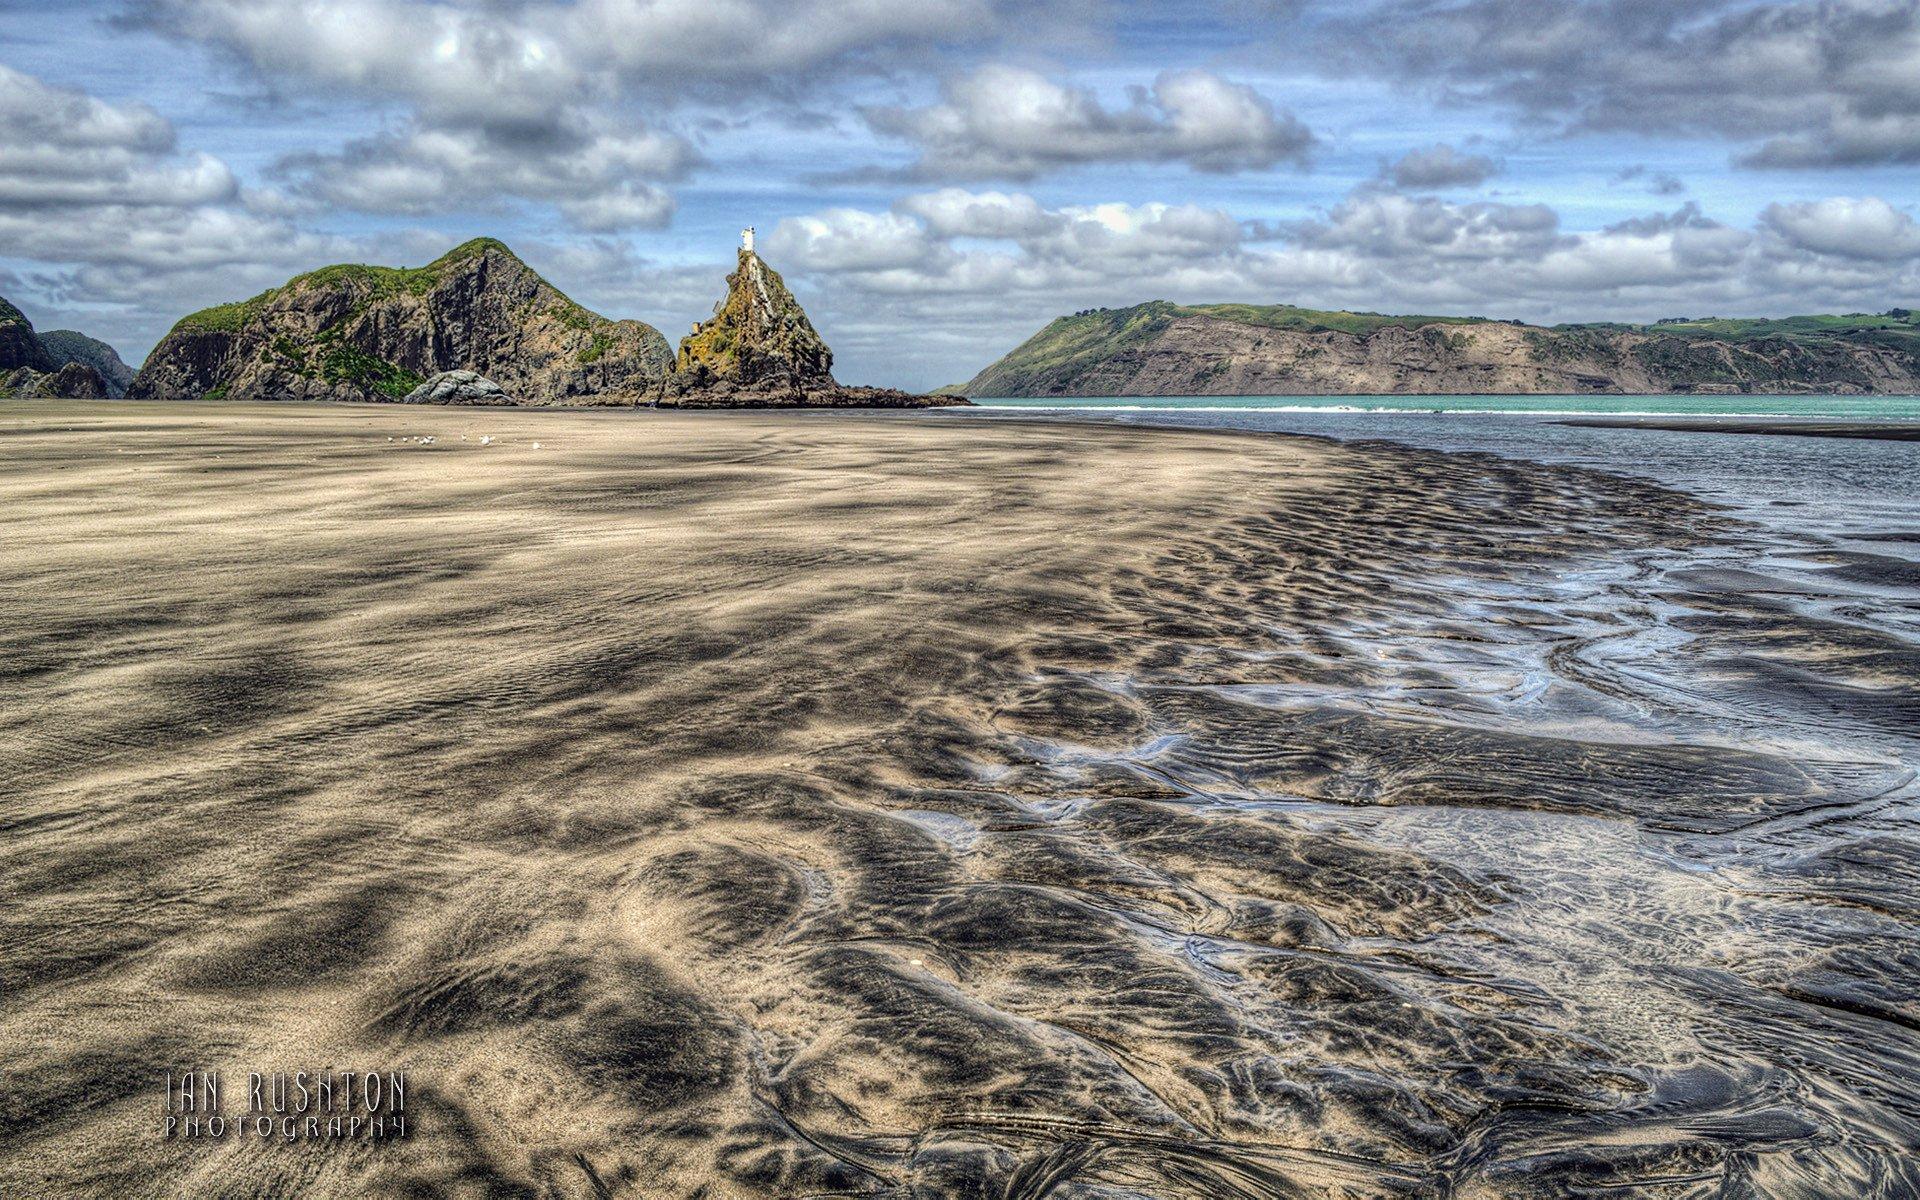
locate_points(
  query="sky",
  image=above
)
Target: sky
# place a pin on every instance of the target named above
(937, 179)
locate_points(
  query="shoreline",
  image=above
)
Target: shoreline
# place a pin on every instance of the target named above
(766, 806)
(1892, 429)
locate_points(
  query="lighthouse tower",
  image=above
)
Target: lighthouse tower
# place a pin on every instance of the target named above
(746, 239)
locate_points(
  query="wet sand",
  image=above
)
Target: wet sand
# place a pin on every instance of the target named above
(827, 804)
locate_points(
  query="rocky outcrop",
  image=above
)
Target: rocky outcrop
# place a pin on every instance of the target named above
(1165, 349)
(74, 381)
(358, 333)
(69, 346)
(459, 387)
(31, 368)
(759, 350)
(20, 346)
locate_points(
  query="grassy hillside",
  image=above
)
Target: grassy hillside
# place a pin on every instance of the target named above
(1073, 347)
(1897, 329)
(377, 282)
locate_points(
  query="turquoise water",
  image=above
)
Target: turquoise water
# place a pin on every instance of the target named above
(1848, 407)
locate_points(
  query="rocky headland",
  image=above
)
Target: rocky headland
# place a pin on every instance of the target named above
(359, 333)
(1162, 349)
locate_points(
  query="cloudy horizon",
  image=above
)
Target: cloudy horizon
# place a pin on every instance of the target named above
(938, 178)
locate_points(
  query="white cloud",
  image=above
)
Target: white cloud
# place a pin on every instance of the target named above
(1868, 228)
(956, 212)
(1004, 122)
(1815, 82)
(599, 176)
(62, 147)
(972, 274)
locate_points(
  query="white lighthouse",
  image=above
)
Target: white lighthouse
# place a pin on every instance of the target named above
(746, 239)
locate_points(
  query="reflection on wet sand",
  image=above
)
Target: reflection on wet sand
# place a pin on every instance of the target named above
(788, 805)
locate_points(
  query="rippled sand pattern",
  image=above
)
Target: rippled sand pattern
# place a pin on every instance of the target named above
(833, 805)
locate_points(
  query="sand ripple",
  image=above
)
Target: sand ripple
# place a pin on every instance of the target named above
(797, 805)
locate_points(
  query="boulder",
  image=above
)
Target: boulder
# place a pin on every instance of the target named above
(459, 387)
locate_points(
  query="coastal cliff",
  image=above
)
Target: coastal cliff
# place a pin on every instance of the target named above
(759, 350)
(1162, 349)
(358, 333)
(31, 367)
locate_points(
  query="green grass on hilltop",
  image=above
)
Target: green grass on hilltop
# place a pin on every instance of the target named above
(1071, 350)
(1896, 329)
(377, 283)
(1069, 343)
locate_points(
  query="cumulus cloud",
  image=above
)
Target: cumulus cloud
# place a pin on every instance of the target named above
(1004, 122)
(1867, 228)
(1812, 82)
(62, 147)
(1439, 168)
(600, 176)
(503, 59)
(975, 272)
(529, 99)
(119, 232)
(1388, 225)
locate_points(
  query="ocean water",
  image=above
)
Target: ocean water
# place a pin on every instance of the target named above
(1766, 968)
(1850, 407)
(1810, 487)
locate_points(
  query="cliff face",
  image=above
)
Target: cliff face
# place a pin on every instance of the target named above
(1235, 350)
(355, 333)
(69, 346)
(760, 351)
(29, 367)
(20, 346)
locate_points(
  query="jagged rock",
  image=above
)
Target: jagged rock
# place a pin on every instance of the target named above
(19, 345)
(29, 367)
(459, 387)
(1162, 349)
(74, 381)
(69, 346)
(759, 350)
(359, 333)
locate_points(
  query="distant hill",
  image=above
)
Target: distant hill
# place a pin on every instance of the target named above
(355, 332)
(1163, 349)
(71, 347)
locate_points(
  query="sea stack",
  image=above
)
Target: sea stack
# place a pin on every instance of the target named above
(759, 350)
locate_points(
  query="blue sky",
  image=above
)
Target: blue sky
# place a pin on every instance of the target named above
(937, 178)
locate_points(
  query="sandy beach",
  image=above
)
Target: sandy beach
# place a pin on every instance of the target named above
(880, 805)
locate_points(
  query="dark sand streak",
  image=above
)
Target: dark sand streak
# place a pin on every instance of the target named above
(801, 805)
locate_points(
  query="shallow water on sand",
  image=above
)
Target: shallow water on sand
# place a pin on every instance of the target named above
(841, 806)
(1691, 768)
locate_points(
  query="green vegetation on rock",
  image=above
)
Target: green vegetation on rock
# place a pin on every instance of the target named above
(356, 368)
(1165, 348)
(370, 284)
(359, 332)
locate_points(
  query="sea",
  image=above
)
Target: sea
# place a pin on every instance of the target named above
(1817, 487)
(1781, 954)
